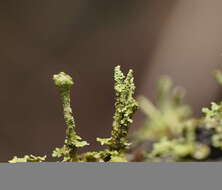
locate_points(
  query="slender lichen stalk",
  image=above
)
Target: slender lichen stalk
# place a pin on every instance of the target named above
(69, 151)
(125, 107)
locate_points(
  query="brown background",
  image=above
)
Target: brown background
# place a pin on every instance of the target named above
(87, 39)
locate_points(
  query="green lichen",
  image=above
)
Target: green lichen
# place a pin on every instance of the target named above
(174, 132)
(213, 117)
(213, 121)
(186, 144)
(91, 157)
(169, 150)
(125, 107)
(28, 158)
(170, 130)
(167, 116)
(178, 149)
(104, 156)
(218, 76)
(181, 148)
(112, 156)
(72, 141)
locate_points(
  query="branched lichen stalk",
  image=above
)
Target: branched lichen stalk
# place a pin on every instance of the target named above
(125, 107)
(64, 82)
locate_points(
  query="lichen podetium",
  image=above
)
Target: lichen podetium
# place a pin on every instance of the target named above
(125, 107)
(64, 83)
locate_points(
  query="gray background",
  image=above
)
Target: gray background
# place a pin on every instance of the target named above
(111, 176)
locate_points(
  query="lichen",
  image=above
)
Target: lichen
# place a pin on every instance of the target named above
(125, 107)
(218, 76)
(103, 156)
(72, 141)
(180, 148)
(173, 134)
(213, 117)
(213, 121)
(174, 131)
(167, 115)
(195, 139)
(28, 158)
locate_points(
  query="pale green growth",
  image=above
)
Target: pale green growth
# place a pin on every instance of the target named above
(169, 150)
(104, 156)
(213, 120)
(112, 156)
(178, 150)
(217, 140)
(91, 157)
(170, 126)
(28, 158)
(175, 136)
(167, 116)
(214, 114)
(125, 107)
(218, 76)
(69, 151)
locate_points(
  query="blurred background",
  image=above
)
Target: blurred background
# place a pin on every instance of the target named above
(87, 38)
